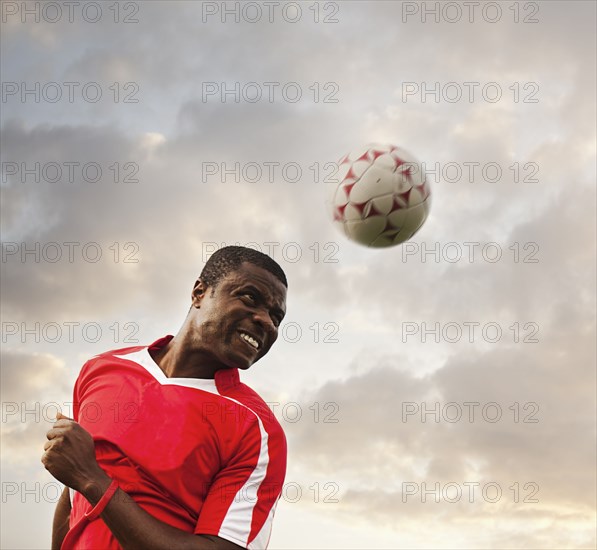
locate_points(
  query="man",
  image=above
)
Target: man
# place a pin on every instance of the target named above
(168, 449)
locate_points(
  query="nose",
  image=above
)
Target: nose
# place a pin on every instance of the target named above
(263, 319)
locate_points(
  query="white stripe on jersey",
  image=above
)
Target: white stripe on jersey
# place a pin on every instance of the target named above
(143, 358)
(262, 538)
(239, 518)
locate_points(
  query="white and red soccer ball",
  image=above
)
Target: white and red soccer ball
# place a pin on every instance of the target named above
(382, 198)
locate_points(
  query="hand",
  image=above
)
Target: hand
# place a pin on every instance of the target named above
(70, 457)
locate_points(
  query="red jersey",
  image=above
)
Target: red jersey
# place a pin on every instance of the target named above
(204, 455)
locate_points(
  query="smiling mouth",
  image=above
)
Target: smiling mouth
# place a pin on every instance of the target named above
(250, 340)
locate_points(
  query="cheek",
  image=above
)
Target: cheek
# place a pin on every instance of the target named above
(273, 338)
(211, 331)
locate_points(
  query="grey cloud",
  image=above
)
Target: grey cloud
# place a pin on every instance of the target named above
(374, 436)
(32, 385)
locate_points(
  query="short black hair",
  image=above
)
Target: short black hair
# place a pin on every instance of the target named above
(229, 258)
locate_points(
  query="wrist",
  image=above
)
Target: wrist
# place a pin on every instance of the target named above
(99, 508)
(93, 489)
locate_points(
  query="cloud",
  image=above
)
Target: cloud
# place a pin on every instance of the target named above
(501, 417)
(34, 386)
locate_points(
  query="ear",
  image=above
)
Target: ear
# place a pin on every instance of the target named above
(198, 293)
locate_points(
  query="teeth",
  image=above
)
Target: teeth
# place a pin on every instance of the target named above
(250, 340)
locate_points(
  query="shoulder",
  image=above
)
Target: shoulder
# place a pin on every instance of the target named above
(263, 413)
(111, 356)
(120, 355)
(107, 364)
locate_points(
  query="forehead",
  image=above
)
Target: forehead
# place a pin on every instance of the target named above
(266, 282)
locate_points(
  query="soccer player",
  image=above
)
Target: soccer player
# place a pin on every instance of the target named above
(168, 449)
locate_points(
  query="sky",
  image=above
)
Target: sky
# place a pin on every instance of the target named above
(436, 394)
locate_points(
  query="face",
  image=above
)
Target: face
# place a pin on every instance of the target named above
(237, 325)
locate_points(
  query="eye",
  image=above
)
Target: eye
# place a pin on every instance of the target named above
(251, 296)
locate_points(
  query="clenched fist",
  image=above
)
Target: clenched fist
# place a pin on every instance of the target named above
(70, 456)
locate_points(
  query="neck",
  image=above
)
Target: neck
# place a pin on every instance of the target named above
(180, 358)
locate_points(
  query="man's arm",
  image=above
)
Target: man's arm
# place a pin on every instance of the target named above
(61, 518)
(70, 457)
(134, 528)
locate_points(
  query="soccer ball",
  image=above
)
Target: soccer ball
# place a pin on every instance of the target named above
(382, 198)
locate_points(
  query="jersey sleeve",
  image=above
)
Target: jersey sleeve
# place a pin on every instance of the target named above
(241, 501)
(79, 390)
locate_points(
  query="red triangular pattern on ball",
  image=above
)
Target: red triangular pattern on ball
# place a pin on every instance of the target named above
(397, 205)
(350, 174)
(364, 156)
(405, 196)
(423, 190)
(348, 188)
(360, 206)
(407, 171)
(374, 211)
(398, 161)
(376, 153)
(339, 213)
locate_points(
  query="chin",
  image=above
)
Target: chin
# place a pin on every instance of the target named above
(242, 363)
(247, 365)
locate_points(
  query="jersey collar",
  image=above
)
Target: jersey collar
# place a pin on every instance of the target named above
(224, 378)
(227, 379)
